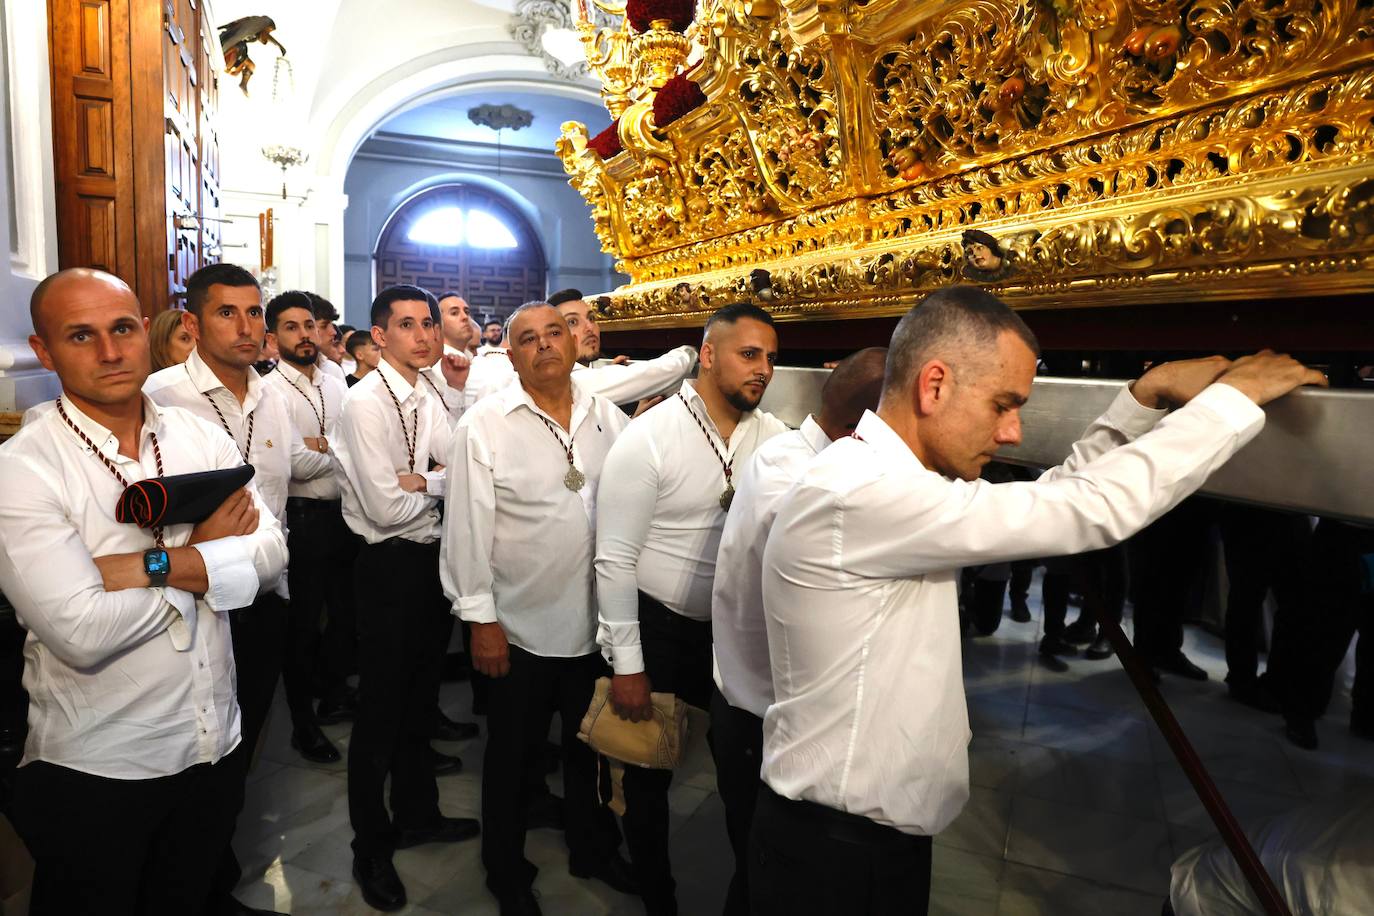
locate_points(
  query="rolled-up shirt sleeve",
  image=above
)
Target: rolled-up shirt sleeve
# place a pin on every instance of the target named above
(625, 510)
(469, 526)
(914, 528)
(52, 580)
(641, 379)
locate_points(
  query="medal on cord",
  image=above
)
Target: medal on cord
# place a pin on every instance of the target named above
(728, 496)
(574, 480)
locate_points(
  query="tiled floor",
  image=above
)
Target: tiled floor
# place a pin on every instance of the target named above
(1077, 806)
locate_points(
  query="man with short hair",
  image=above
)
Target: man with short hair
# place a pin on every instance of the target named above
(326, 315)
(457, 323)
(526, 464)
(865, 744)
(666, 487)
(491, 333)
(365, 354)
(743, 675)
(219, 384)
(393, 425)
(621, 381)
(319, 541)
(132, 772)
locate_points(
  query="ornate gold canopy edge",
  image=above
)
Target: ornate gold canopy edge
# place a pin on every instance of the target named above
(1065, 153)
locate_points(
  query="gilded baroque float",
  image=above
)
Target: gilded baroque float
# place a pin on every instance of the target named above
(1062, 152)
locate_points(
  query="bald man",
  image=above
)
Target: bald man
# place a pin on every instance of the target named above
(743, 675)
(665, 490)
(129, 778)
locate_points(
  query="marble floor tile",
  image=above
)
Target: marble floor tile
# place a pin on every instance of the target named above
(1100, 846)
(995, 719)
(982, 826)
(288, 888)
(1247, 802)
(1037, 892)
(993, 762)
(1089, 780)
(1122, 735)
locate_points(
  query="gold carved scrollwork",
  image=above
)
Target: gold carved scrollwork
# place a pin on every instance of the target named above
(1115, 148)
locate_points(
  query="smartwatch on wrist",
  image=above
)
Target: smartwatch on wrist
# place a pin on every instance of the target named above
(157, 565)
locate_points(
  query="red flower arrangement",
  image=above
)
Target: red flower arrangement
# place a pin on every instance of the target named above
(642, 13)
(607, 143)
(678, 96)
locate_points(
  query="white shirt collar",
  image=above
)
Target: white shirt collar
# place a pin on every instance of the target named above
(205, 380)
(813, 434)
(292, 374)
(102, 437)
(698, 406)
(399, 386)
(514, 396)
(882, 439)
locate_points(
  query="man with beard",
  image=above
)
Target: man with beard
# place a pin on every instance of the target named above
(526, 464)
(132, 771)
(319, 541)
(218, 384)
(491, 333)
(666, 487)
(620, 382)
(392, 427)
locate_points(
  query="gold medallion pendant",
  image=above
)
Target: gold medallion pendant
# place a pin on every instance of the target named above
(574, 480)
(727, 497)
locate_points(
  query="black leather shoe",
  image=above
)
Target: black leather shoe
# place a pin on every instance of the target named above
(228, 906)
(1302, 733)
(446, 765)
(445, 729)
(314, 746)
(1178, 664)
(614, 871)
(445, 830)
(1051, 661)
(1253, 694)
(1081, 632)
(1020, 612)
(519, 903)
(1100, 649)
(336, 709)
(381, 886)
(1054, 645)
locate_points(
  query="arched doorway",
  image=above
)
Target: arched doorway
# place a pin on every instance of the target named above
(465, 238)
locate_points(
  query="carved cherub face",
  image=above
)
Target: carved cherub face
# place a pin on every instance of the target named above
(981, 256)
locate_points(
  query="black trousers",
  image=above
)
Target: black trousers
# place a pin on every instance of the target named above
(258, 633)
(806, 858)
(1054, 595)
(402, 616)
(1265, 550)
(677, 658)
(141, 847)
(1340, 603)
(520, 708)
(737, 748)
(1172, 555)
(320, 577)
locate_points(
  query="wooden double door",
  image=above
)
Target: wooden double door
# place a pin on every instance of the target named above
(135, 87)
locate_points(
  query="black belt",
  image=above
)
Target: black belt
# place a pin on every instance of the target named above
(840, 825)
(305, 504)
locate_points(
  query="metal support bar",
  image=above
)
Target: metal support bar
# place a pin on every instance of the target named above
(1143, 681)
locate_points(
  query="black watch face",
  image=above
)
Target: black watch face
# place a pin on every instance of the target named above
(155, 563)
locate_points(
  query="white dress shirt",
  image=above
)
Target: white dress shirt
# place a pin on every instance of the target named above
(518, 547)
(277, 452)
(739, 634)
(371, 451)
(491, 371)
(329, 367)
(131, 684)
(635, 381)
(454, 401)
(859, 590)
(307, 400)
(661, 516)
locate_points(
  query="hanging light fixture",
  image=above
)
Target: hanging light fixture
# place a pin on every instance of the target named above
(285, 153)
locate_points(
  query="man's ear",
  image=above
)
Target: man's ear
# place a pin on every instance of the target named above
(707, 355)
(378, 337)
(192, 325)
(40, 350)
(932, 386)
